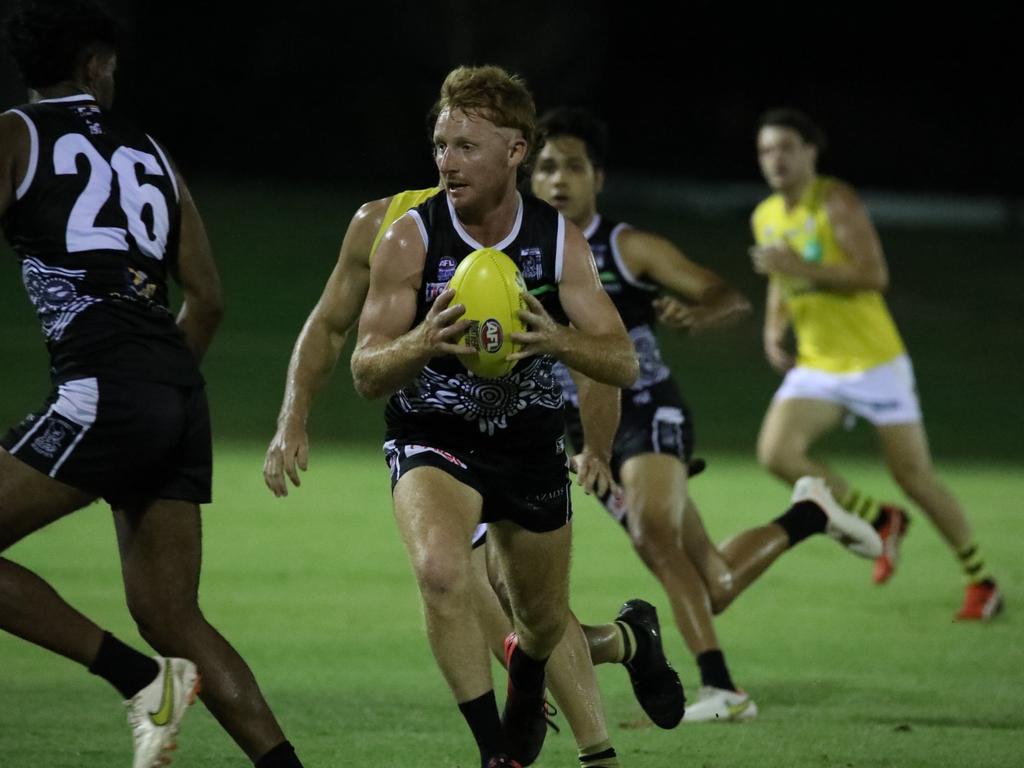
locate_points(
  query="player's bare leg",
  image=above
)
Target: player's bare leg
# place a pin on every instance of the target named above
(905, 447)
(789, 430)
(436, 516)
(161, 553)
(29, 607)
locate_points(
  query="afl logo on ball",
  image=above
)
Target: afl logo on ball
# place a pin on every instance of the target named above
(491, 337)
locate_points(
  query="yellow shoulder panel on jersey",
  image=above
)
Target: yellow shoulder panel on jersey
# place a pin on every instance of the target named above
(400, 204)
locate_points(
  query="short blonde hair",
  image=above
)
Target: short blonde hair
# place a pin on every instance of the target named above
(494, 94)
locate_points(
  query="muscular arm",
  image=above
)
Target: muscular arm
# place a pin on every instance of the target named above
(712, 301)
(203, 306)
(390, 352)
(596, 344)
(319, 345)
(322, 337)
(865, 268)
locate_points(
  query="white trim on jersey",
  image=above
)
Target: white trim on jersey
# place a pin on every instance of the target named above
(17, 446)
(560, 248)
(77, 400)
(422, 227)
(33, 154)
(632, 279)
(595, 222)
(464, 235)
(67, 99)
(167, 167)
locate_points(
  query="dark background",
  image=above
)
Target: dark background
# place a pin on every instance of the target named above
(913, 98)
(285, 119)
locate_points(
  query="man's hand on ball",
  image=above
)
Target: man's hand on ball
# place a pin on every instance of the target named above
(441, 329)
(542, 336)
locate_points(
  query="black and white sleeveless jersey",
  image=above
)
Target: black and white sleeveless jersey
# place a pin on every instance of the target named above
(632, 297)
(95, 224)
(446, 401)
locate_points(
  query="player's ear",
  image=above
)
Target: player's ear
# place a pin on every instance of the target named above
(598, 180)
(517, 151)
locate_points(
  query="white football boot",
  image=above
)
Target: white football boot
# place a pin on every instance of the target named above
(719, 705)
(155, 712)
(854, 533)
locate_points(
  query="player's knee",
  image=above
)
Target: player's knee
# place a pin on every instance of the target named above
(655, 530)
(776, 458)
(440, 578)
(541, 627)
(164, 624)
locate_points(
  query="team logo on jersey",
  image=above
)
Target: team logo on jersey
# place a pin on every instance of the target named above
(90, 114)
(491, 336)
(434, 290)
(140, 284)
(446, 268)
(57, 433)
(530, 263)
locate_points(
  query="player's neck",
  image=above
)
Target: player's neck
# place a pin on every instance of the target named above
(792, 195)
(490, 224)
(585, 219)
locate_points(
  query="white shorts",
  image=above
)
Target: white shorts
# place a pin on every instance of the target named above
(884, 394)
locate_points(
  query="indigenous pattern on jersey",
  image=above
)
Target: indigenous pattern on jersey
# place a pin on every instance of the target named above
(399, 205)
(836, 332)
(522, 408)
(632, 297)
(95, 225)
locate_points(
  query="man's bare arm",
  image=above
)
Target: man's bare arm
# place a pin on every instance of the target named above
(319, 345)
(710, 300)
(202, 308)
(865, 269)
(390, 352)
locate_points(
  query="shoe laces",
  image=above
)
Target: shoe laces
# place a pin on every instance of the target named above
(550, 712)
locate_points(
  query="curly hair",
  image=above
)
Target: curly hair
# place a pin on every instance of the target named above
(47, 38)
(494, 94)
(581, 124)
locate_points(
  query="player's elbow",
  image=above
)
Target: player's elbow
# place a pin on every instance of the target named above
(362, 379)
(627, 370)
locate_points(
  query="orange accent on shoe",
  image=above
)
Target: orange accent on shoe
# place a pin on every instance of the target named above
(892, 529)
(982, 601)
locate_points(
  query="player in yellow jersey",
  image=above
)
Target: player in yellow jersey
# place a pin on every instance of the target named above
(314, 356)
(827, 271)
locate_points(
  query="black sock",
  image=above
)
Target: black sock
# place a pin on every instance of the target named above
(481, 715)
(526, 674)
(713, 670)
(123, 667)
(281, 756)
(803, 519)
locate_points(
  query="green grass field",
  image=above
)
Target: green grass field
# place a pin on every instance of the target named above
(315, 591)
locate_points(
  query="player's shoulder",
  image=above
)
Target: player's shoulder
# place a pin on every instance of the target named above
(839, 196)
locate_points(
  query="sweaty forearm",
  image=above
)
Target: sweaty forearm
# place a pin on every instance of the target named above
(606, 358)
(599, 415)
(313, 360)
(381, 369)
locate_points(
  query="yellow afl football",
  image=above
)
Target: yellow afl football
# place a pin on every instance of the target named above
(490, 286)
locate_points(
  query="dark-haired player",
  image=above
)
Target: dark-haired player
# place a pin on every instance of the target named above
(99, 219)
(654, 442)
(827, 272)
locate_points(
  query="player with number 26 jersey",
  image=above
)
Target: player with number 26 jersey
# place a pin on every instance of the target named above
(95, 223)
